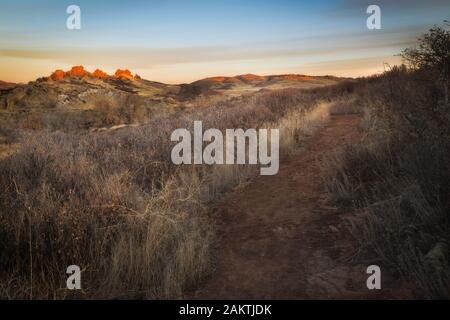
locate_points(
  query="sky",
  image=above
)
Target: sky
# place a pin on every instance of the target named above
(178, 41)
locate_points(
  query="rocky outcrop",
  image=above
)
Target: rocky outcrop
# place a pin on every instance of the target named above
(100, 74)
(57, 75)
(123, 74)
(79, 72)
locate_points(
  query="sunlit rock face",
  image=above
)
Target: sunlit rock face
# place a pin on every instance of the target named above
(100, 74)
(123, 74)
(57, 75)
(78, 71)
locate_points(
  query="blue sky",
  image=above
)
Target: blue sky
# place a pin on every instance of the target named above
(183, 40)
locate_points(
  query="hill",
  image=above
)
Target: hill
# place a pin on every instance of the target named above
(248, 83)
(80, 99)
(80, 89)
(4, 86)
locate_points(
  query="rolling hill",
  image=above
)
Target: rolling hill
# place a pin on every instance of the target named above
(248, 83)
(79, 99)
(80, 89)
(5, 86)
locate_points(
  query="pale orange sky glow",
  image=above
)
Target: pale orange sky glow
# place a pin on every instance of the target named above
(183, 41)
(31, 69)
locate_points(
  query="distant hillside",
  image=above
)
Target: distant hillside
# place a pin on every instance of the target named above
(247, 83)
(80, 89)
(80, 99)
(6, 85)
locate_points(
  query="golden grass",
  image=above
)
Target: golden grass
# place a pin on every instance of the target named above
(113, 204)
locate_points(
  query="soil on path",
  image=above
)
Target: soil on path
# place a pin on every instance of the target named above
(281, 239)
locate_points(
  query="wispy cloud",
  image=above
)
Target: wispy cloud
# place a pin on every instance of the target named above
(285, 35)
(348, 43)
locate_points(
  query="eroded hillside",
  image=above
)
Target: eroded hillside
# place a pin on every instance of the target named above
(79, 99)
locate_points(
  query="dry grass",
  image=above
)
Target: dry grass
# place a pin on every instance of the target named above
(114, 204)
(299, 125)
(397, 179)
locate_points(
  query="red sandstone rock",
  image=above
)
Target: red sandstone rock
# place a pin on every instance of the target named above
(57, 75)
(123, 74)
(78, 71)
(100, 74)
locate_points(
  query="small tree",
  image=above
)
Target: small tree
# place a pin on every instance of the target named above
(432, 54)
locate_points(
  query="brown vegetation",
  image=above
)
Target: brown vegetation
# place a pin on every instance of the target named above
(114, 204)
(397, 179)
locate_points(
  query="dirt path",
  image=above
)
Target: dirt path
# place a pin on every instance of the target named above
(281, 240)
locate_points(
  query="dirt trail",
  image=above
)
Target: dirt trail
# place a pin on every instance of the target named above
(280, 239)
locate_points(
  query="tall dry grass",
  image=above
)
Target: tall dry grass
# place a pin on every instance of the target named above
(114, 204)
(397, 179)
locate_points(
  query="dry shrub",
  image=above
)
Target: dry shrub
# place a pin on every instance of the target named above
(114, 204)
(397, 179)
(346, 105)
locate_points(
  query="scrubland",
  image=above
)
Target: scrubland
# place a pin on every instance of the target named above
(397, 179)
(114, 204)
